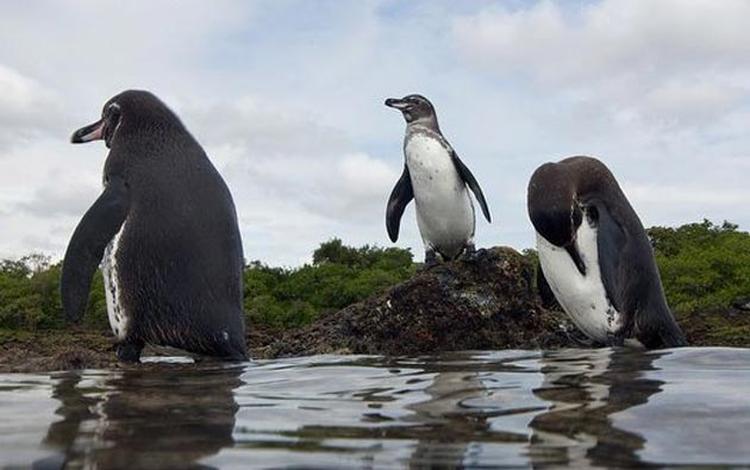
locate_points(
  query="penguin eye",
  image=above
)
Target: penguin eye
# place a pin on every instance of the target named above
(112, 120)
(113, 114)
(113, 108)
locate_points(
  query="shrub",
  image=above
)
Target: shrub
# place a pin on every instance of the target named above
(703, 266)
(339, 276)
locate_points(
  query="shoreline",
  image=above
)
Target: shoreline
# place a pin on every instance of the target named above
(486, 302)
(75, 348)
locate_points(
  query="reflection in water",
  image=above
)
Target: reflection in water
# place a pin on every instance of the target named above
(701, 416)
(585, 390)
(581, 390)
(374, 411)
(582, 408)
(140, 419)
(468, 415)
(447, 392)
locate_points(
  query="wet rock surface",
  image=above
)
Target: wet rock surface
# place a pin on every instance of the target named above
(55, 350)
(485, 302)
(726, 327)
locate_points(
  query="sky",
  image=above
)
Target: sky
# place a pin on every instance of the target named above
(287, 99)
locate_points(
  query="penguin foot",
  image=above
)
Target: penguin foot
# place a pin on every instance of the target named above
(224, 356)
(430, 259)
(129, 351)
(470, 252)
(616, 339)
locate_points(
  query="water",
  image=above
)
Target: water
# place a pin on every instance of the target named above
(584, 408)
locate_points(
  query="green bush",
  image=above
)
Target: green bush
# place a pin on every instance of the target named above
(29, 296)
(703, 266)
(339, 276)
(95, 316)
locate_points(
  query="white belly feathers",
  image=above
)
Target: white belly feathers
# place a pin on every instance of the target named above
(445, 215)
(118, 319)
(582, 296)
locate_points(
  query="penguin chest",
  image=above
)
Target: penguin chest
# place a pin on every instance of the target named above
(444, 212)
(583, 297)
(118, 317)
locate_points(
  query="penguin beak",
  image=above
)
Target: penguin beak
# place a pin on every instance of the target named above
(88, 133)
(397, 103)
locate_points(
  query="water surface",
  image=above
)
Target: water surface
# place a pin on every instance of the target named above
(585, 408)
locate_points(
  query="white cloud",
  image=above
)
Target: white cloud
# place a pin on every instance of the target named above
(296, 183)
(287, 99)
(670, 205)
(666, 61)
(57, 201)
(686, 195)
(20, 94)
(27, 109)
(601, 41)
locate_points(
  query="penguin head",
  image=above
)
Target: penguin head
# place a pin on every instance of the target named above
(128, 111)
(415, 108)
(553, 206)
(103, 129)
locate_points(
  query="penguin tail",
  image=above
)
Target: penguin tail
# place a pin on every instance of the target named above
(660, 330)
(672, 336)
(234, 351)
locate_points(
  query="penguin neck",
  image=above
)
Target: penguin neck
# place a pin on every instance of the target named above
(429, 123)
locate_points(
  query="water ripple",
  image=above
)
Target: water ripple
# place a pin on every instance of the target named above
(583, 408)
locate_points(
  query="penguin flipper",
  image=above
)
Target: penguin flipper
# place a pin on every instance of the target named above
(400, 197)
(86, 248)
(469, 179)
(656, 327)
(611, 248)
(545, 291)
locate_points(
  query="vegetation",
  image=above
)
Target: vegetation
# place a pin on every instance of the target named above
(703, 267)
(29, 294)
(338, 276)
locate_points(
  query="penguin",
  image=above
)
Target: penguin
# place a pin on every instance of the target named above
(595, 256)
(438, 181)
(165, 231)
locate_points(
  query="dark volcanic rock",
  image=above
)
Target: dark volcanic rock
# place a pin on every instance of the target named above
(55, 350)
(486, 302)
(742, 303)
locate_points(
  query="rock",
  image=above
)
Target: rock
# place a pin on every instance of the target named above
(728, 327)
(53, 350)
(742, 303)
(485, 302)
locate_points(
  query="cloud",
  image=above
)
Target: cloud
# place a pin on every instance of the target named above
(670, 61)
(93, 46)
(601, 41)
(300, 181)
(55, 201)
(21, 94)
(27, 109)
(676, 204)
(287, 99)
(259, 126)
(269, 153)
(686, 195)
